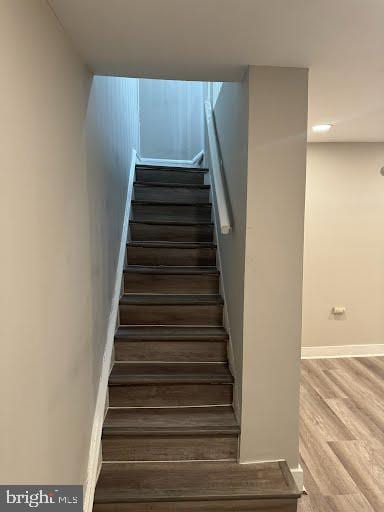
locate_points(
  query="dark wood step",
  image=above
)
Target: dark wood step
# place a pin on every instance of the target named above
(194, 433)
(171, 351)
(201, 310)
(171, 253)
(198, 486)
(166, 211)
(169, 385)
(170, 175)
(176, 447)
(176, 167)
(171, 344)
(170, 395)
(151, 279)
(171, 421)
(174, 192)
(171, 231)
(169, 373)
(171, 333)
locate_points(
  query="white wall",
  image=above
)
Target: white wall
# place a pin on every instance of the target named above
(112, 131)
(171, 119)
(231, 117)
(261, 126)
(65, 146)
(273, 264)
(344, 244)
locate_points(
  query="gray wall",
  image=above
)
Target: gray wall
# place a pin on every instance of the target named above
(66, 147)
(231, 116)
(171, 119)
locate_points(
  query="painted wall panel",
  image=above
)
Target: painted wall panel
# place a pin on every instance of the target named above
(171, 119)
(344, 244)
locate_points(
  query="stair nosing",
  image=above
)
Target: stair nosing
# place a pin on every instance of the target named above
(145, 378)
(170, 245)
(149, 167)
(160, 184)
(172, 496)
(172, 223)
(171, 270)
(121, 335)
(168, 431)
(171, 299)
(169, 203)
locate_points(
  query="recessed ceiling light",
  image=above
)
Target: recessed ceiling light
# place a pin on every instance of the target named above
(321, 128)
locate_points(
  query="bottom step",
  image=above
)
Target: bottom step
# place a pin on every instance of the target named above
(195, 486)
(252, 505)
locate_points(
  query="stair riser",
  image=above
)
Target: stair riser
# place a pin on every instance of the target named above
(203, 256)
(169, 395)
(168, 213)
(194, 314)
(249, 505)
(171, 351)
(172, 194)
(169, 233)
(172, 176)
(184, 283)
(160, 448)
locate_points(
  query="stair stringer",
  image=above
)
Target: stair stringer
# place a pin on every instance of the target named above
(230, 352)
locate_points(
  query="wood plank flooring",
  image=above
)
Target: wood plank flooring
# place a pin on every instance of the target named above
(342, 434)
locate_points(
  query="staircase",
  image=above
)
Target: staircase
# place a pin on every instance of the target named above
(170, 436)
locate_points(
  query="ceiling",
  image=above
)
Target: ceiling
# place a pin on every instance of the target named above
(341, 41)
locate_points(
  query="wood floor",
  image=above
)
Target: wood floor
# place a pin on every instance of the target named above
(342, 435)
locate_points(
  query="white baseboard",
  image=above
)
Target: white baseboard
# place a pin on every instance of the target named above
(194, 162)
(94, 457)
(323, 352)
(298, 476)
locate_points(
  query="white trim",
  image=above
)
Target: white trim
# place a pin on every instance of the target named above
(197, 159)
(218, 182)
(94, 457)
(342, 351)
(194, 162)
(298, 476)
(236, 402)
(138, 150)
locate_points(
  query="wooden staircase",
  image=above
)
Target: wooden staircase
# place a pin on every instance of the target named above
(170, 436)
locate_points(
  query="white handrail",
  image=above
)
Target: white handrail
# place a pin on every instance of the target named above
(225, 225)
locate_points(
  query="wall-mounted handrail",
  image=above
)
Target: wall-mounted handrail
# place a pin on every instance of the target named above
(222, 207)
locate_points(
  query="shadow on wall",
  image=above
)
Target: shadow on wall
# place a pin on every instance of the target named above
(171, 119)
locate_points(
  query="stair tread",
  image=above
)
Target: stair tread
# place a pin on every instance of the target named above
(170, 421)
(169, 333)
(171, 245)
(169, 203)
(181, 222)
(172, 168)
(170, 299)
(169, 185)
(170, 270)
(184, 481)
(149, 373)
